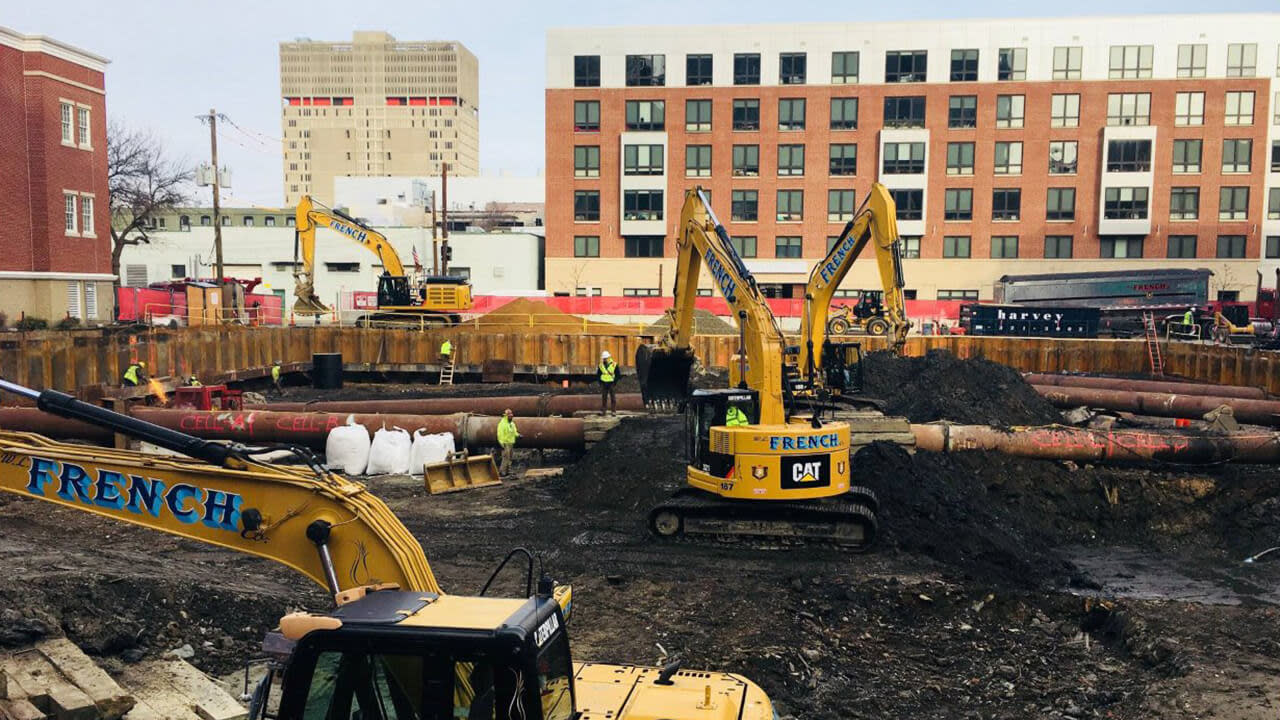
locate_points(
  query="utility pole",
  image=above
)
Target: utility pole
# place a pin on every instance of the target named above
(435, 243)
(444, 218)
(217, 221)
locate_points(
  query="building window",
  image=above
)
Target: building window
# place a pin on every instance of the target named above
(1065, 111)
(746, 69)
(910, 251)
(697, 161)
(1233, 203)
(960, 158)
(910, 204)
(903, 158)
(642, 205)
(1242, 61)
(844, 68)
(745, 246)
(586, 246)
(184, 222)
(1057, 247)
(1231, 246)
(1062, 157)
(642, 246)
(1010, 111)
(342, 267)
(68, 129)
(1184, 203)
(177, 271)
(746, 160)
(902, 66)
(1060, 204)
(645, 70)
(1067, 63)
(790, 205)
(642, 160)
(1275, 156)
(1275, 120)
(1006, 204)
(1129, 156)
(1012, 64)
(744, 206)
(1273, 204)
(586, 205)
(958, 294)
(1130, 62)
(964, 65)
(843, 159)
(82, 126)
(586, 71)
(1004, 246)
(86, 215)
(1120, 246)
(1008, 158)
(959, 204)
(586, 161)
(844, 113)
(247, 221)
(1125, 203)
(641, 292)
(268, 221)
(1239, 108)
(1273, 246)
(697, 70)
(1189, 109)
(840, 205)
(900, 112)
(746, 114)
(206, 220)
(962, 111)
(1192, 60)
(1129, 109)
(791, 114)
(586, 116)
(697, 115)
(791, 159)
(955, 246)
(69, 213)
(646, 114)
(1237, 155)
(290, 221)
(1182, 246)
(787, 246)
(791, 68)
(1186, 155)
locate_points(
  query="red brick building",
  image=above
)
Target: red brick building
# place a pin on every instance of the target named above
(55, 250)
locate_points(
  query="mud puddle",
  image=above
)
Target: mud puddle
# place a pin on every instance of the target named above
(1138, 574)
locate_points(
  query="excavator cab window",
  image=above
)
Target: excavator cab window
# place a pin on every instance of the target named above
(393, 291)
(708, 409)
(842, 367)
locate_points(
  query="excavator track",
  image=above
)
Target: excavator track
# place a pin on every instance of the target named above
(847, 521)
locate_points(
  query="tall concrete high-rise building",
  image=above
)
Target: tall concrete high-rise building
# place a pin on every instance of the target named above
(376, 106)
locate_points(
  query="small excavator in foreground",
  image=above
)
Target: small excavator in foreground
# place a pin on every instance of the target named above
(396, 646)
(429, 300)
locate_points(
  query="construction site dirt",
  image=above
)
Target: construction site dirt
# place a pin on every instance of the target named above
(1000, 588)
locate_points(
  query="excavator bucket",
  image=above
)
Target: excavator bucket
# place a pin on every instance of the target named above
(664, 377)
(461, 471)
(306, 302)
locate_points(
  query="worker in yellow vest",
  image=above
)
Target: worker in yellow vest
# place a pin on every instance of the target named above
(135, 373)
(507, 434)
(275, 376)
(446, 352)
(193, 381)
(607, 374)
(734, 416)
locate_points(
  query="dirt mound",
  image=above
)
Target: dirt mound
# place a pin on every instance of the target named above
(637, 465)
(528, 315)
(941, 386)
(704, 323)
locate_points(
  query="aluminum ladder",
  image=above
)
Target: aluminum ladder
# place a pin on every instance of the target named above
(446, 372)
(1153, 344)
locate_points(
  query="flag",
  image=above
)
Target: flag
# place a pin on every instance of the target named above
(417, 264)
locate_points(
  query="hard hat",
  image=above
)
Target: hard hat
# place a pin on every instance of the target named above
(507, 412)
(604, 355)
(141, 364)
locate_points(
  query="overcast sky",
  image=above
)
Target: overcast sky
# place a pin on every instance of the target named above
(173, 60)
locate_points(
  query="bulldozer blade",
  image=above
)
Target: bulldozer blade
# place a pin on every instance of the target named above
(664, 377)
(460, 472)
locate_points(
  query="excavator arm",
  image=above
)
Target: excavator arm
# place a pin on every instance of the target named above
(663, 368)
(876, 224)
(310, 215)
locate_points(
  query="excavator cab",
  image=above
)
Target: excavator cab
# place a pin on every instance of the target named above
(842, 367)
(393, 290)
(707, 409)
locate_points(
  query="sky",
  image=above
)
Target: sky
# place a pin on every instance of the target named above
(174, 60)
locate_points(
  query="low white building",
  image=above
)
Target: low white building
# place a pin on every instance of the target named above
(390, 201)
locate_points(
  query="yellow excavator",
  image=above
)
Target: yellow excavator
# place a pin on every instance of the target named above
(396, 646)
(427, 299)
(756, 469)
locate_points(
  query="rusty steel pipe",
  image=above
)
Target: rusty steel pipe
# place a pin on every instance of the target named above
(1254, 412)
(1178, 388)
(521, 405)
(29, 419)
(1058, 442)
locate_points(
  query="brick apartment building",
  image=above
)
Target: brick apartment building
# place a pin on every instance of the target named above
(1011, 147)
(55, 251)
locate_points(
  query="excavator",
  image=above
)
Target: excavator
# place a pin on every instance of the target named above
(395, 646)
(781, 474)
(425, 300)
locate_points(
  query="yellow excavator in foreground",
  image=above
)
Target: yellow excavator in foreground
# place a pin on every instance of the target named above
(756, 468)
(427, 299)
(396, 646)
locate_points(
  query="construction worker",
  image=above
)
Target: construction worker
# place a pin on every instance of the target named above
(135, 374)
(734, 416)
(193, 381)
(446, 352)
(275, 376)
(1189, 317)
(607, 374)
(507, 434)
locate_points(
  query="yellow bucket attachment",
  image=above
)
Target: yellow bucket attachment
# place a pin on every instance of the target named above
(460, 471)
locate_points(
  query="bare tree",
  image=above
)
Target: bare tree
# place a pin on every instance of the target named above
(143, 183)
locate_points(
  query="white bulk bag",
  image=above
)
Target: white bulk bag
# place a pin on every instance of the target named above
(428, 449)
(347, 448)
(389, 453)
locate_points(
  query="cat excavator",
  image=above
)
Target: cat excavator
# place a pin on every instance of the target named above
(425, 300)
(396, 646)
(757, 468)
